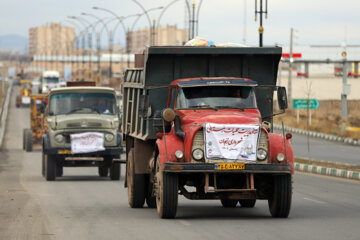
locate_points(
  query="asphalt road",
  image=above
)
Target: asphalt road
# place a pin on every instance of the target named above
(321, 149)
(82, 205)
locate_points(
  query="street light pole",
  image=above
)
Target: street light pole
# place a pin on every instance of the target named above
(126, 31)
(110, 40)
(261, 12)
(345, 91)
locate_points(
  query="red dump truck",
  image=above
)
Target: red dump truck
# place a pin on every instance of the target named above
(197, 122)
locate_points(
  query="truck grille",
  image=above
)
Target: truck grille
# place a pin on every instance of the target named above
(88, 124)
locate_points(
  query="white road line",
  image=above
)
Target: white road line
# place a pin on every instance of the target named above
(313, 200)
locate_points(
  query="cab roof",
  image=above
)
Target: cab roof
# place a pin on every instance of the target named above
(81, 89)
(213, 81)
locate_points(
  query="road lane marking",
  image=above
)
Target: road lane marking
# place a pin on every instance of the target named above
(317, 201)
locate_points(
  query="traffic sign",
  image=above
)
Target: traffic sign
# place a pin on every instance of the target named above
(301, 103)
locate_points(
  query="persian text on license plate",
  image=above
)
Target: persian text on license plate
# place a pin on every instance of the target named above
(229, 166)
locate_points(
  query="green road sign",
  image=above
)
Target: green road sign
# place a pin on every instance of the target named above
(300, 103)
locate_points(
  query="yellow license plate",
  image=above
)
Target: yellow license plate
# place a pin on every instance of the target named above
(229, 166)
(65, 151)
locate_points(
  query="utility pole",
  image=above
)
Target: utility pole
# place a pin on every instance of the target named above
(261, 12)
(345, 91)
(290, 68)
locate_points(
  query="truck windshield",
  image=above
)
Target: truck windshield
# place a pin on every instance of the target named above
(51, 80)
(94, 103)
(216, 97)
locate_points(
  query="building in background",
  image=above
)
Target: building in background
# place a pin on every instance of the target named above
(51, 39)
(168, 35)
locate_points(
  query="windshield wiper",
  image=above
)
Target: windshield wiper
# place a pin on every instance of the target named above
(203, 106)
(229, 107)
(79, 109)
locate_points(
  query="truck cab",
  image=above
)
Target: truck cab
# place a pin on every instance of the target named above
(48, 81)
(82, 130)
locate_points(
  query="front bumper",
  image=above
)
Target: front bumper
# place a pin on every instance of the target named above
(113, 151)
(210, 168)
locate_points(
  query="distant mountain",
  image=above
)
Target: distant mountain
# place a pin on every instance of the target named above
(13, 42)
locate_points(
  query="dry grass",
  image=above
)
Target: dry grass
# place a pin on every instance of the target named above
(326, 119)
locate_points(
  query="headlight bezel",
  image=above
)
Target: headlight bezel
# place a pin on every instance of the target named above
(59, 138)
(109, 137)
(261, 154)
(197, 154)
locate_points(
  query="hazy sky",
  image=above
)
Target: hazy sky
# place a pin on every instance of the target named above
(315, 21)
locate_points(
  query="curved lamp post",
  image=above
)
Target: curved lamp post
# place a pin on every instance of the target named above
(152, 26)
(110, 40)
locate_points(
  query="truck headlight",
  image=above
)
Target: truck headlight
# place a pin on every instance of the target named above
(280, 157)
(198, 154)
(59, 138)
(261, 154)
(109, 137)
(179, 154)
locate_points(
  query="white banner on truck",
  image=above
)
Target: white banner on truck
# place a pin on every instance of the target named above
(87, 142)
(231, 141)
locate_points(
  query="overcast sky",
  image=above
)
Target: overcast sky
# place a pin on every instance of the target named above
(317, 22)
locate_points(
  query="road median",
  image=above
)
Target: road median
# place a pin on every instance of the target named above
(328, 168)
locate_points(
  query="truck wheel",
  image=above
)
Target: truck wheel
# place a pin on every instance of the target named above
(28, 140)
(115, 169)
(18, 101)
(103, 171)
(135, 183)
(228, 203)
(59, 170)
(280, 201)
(50, 167)
(24, 144)
(247, 203)
(166, 192)
(150, 198)
(43, 164)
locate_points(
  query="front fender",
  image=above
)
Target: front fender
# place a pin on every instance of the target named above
(173, 143)
(276, 146)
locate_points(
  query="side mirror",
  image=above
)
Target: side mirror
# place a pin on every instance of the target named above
(282, 98)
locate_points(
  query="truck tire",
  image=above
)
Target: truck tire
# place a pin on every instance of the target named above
(115, 170)
(247, 203)
(166, 192)
(24, 130)
(28, 140)
(43, 164)
(228, 203)
(280, 201)
(17, 102)
(103, 171)
(150, 198)
(50, 167)
(59, 169)
(135, 183)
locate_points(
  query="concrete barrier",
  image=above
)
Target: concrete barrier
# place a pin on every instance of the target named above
(4, 113)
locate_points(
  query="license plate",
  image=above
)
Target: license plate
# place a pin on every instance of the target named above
(65, 151)
(230, 166)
